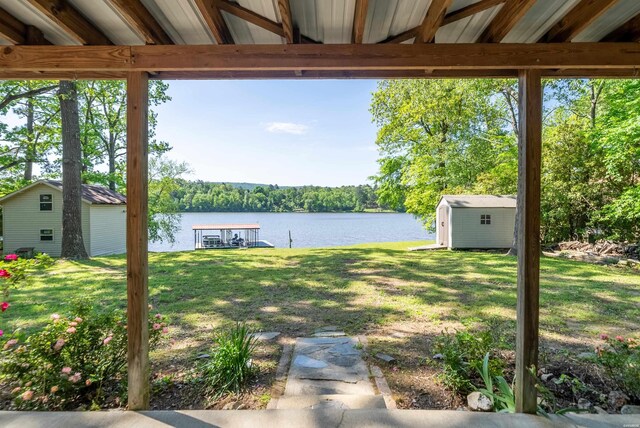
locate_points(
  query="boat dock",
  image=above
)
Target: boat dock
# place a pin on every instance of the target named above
(228, 236)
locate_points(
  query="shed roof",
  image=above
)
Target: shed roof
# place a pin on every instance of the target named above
(92, 194)
(480, 201)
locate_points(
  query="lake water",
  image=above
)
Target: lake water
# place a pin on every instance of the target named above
(309, 229)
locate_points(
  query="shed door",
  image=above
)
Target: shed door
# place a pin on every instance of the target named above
(443, 226)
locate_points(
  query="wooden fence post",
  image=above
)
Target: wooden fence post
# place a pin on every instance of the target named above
(137, 238)
(529, 162)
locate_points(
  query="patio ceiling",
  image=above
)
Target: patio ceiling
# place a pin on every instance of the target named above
(413, 38)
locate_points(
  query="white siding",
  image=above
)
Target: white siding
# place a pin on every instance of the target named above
(443, 240)
(108, 229)
(467, 232)
(22, 221)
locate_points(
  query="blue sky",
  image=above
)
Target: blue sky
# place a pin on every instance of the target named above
(275, 132)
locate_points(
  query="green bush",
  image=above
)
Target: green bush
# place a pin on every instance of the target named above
(230, 367)
(76, 360)
(462, 356)
(621, 358)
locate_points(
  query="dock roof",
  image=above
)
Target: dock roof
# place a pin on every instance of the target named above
(228, 226)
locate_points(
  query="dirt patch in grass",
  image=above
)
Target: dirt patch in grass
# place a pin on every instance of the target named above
(176, 383)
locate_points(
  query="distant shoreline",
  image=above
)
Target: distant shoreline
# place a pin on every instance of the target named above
(367, 211)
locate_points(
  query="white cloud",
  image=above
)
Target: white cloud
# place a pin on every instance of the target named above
(287, 128)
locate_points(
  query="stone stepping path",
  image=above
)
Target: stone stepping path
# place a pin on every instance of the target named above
(329, 372)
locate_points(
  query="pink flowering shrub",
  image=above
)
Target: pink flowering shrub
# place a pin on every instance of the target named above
(621, 358)
(15, 271)
(75, 360)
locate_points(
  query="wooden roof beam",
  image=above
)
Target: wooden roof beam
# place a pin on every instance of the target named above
(432, 21)
(508, 16)
(195, 58)
(215, 21)
(287, 22)
(141, 21)
(359, 20)
(317, 74)
(449, 18)
(249, 16)
(71, 21)
(12, 29)
(627, 32)
(402, 37)
(576, 20)
(470, 10)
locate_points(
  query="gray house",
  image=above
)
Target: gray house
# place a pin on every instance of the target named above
(32, 218)
(475, 221)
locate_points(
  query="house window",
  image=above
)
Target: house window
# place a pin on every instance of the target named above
(46, 234)
(46, 202)
(485, 219)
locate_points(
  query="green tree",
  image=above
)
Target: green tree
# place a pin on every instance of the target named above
(439, 136)
(164, 207)
(104, 128)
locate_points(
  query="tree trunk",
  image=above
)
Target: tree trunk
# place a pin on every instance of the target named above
(31, 144)
(112, 166)
(72, 241)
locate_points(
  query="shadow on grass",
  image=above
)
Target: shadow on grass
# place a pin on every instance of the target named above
(357, 289)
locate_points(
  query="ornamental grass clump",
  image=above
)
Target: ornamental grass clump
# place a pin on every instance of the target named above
(75, 361)
(230, 367)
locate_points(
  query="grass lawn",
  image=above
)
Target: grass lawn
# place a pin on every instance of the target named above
(374, 289)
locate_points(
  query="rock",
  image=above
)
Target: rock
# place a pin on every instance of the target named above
(398, 335)
(309, 363)
(203, 356)
(616, 400)
(438, 357)
(629, 409)
(376, 372)
(586, 356)
(327, 328)
(265, 335)
(230, 405)
(479, 402)
(599, 410)
(462, 409)
(584, 404)
(546, 377)
(329, 334)
(384, 357)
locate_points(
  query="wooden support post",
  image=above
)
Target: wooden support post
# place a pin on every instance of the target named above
(529, 161)
(137, 237)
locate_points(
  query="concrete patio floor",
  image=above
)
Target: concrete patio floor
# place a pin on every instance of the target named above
(307, 418)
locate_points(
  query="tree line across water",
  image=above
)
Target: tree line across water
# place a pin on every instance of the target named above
(201, 196)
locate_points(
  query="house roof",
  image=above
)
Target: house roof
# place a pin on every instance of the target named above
(92, 194)
(479, 201)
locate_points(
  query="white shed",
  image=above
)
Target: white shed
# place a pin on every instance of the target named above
(32, 218)
(475, 221)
